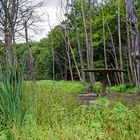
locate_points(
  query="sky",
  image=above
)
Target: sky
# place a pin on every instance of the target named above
(53, 10)
(51, 14)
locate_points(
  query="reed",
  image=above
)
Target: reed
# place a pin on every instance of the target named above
(11, 94)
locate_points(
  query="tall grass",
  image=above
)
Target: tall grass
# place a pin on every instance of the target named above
(11, 94)
(58, 116)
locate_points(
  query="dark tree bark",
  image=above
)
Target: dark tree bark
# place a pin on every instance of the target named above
(131, 69)
(32, 71)
(133, 21)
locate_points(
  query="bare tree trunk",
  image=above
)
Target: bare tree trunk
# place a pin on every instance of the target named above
(75, 62)
(67, 43)
(86, 35)
(53, 63)
(68, 54)
(103, 22)
(134, 37)
(81, 58)
(8, 28)
(73, 56)
(80, 52)
(85, 30)
(32, 72)
(59, 65)
(91, 49)
(66, 69)
(114, 51)
(120, 43)
(67, 63)
(69, 58)
(53, 57)
(131, 65)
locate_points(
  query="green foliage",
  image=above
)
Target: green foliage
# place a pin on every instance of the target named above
(42, 50)
(125, 88)
(97, 87)
(56, 115)
(61, 86)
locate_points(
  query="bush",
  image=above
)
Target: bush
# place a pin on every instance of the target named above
(125, 88)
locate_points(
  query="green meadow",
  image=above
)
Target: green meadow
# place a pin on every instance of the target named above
(51, 114)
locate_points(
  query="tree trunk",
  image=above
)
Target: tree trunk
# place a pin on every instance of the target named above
(114, 52)
(73, 56)
(53, 57)
(8, 39)
(134, 37)
(32, 72)
(85, 30)
(103, 22)
(81, 58)
(67, 46)
(53, 60)
(120, 43)
(80, 52)
(91, 49)
(131, 65)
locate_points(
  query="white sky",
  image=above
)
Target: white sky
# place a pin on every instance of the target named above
(53, 11)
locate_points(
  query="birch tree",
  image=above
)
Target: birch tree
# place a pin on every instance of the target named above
(120, 42)
(91, 65)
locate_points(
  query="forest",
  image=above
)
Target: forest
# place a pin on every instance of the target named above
(81, 81)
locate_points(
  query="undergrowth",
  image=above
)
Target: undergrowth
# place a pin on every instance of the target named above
(125, 88)
(54, 115)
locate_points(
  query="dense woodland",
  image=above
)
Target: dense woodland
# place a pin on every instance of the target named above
(101, 28)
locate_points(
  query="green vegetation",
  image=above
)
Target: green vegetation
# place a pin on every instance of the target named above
(61, 86)
(53, 114)
(125, 88)
(12, 110)
(42, 50)
(92, 35)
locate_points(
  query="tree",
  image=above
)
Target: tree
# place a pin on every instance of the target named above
(79, 46)
(120, 42)
(15, 15)
(91, 48)
(134, 36)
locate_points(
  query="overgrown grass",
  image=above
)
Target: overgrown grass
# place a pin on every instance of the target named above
(76, 87)
(125, 88)
(54, 115)
(61, 86)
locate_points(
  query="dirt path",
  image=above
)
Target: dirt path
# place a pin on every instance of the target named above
(129, 100)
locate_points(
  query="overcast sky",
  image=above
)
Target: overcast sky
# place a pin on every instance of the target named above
(52, 8)
(53, 11)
